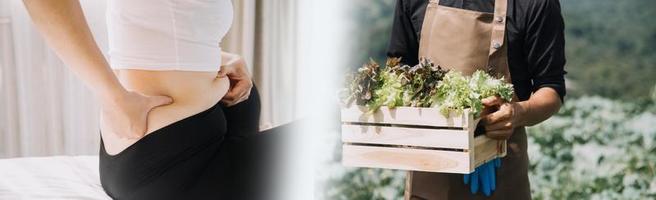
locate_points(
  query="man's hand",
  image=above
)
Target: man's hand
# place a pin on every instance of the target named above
(500, 117)
(126, 116)
(240, 80)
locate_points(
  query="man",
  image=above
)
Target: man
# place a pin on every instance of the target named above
(523, 41)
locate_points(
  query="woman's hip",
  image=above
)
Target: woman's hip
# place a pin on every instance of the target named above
(189, 99)
(168, 159)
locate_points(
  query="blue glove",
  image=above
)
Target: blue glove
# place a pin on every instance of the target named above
(485, 175)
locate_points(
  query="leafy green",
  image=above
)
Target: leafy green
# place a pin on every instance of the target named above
(361, 84)
(422, 85)
(457, 92)
(402, 85)
(424, 79)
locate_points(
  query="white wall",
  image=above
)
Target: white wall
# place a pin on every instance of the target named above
(44, 109)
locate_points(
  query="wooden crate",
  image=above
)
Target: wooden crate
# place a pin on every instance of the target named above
(417, 139)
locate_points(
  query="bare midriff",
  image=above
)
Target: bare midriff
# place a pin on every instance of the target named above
(192, 93)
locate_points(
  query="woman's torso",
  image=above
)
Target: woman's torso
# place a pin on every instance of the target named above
(192, 92)
(170, 48)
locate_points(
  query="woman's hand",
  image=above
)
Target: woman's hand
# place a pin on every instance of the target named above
(234, 67)
(126, 116)
(500, 117)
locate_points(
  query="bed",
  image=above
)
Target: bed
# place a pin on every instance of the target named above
(58, 177)
(254, 161)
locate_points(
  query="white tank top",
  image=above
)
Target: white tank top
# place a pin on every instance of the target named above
(167, 34)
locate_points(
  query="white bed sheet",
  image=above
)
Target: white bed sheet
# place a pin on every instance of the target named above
(58, 177)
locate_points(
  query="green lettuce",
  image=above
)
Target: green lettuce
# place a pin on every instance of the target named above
(422, 85)
(457, 92)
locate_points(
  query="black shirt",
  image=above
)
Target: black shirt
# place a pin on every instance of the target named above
(534, 29)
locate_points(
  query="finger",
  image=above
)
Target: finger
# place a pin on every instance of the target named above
(247, 84)
(227, 103)
(465, 178)
(485, 179)
(224, 71)
(231, 96)
(240, 88)
(492, 101)
(155, 101)
(248, 93)
(240, 92)
(232, 103)
(236, 91)
(230, 99)
(487, 110)
(493, 176)
(499, 135)
(502, 125)
(502, 114)
(474, 182)
(497, 162)
(244, 97)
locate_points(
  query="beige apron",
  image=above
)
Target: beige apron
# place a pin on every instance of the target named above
(466, 41)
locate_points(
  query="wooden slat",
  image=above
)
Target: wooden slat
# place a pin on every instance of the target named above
(487, 149)
(504, 149)
(406, 116)
(406, 159)
(407, 194)
(421, 137)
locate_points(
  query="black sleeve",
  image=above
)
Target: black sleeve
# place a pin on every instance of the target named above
(545, 45)
(403, 41)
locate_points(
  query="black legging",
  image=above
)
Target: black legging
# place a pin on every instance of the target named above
(197, 157)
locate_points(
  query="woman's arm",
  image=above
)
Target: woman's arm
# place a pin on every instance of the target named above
(62, 24)
(65, 29)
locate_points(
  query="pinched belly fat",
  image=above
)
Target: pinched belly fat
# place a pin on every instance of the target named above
(192, 93)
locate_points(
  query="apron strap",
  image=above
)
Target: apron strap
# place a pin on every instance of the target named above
(498, 33)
